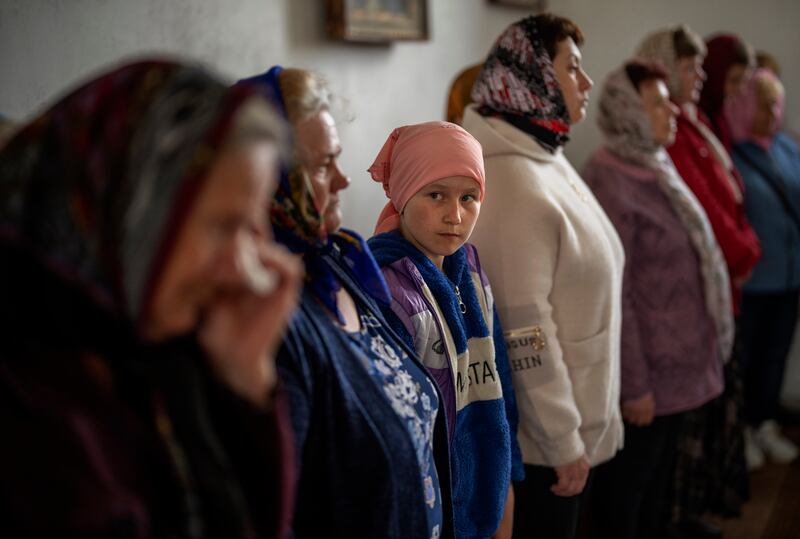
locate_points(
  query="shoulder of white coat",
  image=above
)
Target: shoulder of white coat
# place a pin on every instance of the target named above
(512, 180)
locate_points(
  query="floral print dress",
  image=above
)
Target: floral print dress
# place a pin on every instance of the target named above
(413, 397)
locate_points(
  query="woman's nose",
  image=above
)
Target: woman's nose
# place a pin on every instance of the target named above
(340, 180)
(587, 82)
(230, 267)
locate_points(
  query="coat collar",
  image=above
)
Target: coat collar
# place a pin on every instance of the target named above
(499, 138)
(637, 172)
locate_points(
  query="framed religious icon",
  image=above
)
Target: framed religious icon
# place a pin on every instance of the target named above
(535, 5)
(377, 21)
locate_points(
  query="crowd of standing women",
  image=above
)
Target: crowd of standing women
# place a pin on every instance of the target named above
(195, 347)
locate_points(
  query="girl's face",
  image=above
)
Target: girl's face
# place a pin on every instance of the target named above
(440, 217)
(572, 79)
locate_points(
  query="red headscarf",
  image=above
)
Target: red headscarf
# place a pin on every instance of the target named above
(723, 52)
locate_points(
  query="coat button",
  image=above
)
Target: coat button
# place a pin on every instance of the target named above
(703, 152)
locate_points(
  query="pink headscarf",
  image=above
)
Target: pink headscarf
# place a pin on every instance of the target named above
(414, 156)
(740, 109)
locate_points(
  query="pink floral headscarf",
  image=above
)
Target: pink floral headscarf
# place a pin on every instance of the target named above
(740, 110)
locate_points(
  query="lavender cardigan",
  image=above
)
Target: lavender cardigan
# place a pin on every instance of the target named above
(669, 344)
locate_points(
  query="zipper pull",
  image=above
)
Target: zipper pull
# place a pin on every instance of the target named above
(460, 303)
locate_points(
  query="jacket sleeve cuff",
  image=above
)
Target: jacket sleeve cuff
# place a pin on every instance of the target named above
(564, 450)
(634, 393)
(745, 263)
(517, 467)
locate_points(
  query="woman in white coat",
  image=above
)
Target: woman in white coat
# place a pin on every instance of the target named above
(555, 263)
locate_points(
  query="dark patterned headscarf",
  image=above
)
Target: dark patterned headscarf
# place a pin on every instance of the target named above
(518, 83)
(96, 186)
(724, 51)
(298, 224)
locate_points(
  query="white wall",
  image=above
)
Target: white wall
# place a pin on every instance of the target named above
(47, 45)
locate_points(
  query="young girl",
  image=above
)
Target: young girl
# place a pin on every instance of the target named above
(442, 304)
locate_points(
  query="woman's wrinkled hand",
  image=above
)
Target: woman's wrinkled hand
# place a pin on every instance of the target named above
(243, 328)
(571, 477)
(639, 412)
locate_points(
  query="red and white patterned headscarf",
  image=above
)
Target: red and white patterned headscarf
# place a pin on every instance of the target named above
(518, 83)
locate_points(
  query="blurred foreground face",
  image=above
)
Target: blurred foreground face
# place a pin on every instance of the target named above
(319, 148)
(228, 218)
